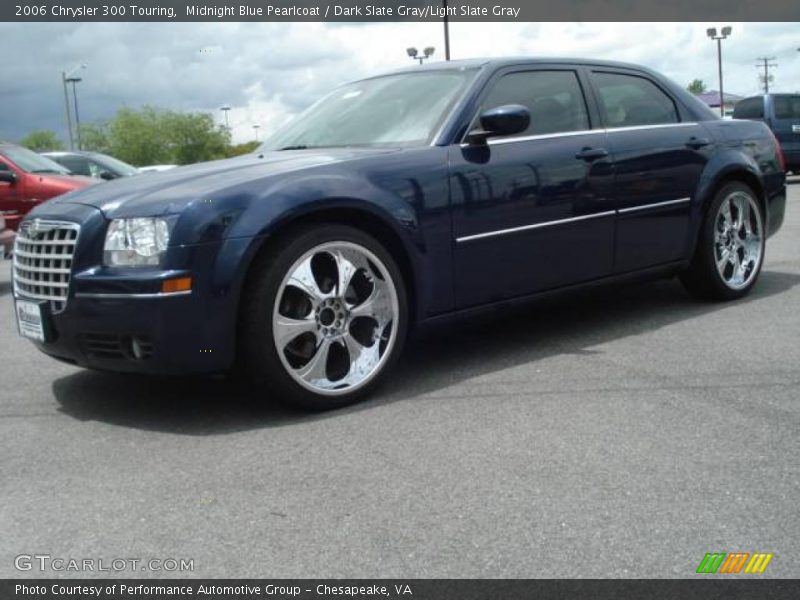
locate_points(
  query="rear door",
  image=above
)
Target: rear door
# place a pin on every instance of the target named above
(658, 158)
(785, 124)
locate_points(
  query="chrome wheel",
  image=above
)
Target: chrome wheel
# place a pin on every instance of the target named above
(738, 240)
(335, 318)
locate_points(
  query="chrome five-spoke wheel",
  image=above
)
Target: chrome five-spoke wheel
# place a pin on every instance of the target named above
(335, 318)
(730, 249)
(738, 240)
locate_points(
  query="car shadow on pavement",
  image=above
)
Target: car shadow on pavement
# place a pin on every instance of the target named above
(434, 359)
(5, 288)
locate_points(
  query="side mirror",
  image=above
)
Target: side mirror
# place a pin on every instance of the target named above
(107, 175)
(8, 177)
(502, 120)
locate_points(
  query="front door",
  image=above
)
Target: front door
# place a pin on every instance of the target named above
(533, 211)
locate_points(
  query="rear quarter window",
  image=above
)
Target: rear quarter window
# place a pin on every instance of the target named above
(787, 107)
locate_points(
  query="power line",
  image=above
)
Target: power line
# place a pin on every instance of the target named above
(766, 64)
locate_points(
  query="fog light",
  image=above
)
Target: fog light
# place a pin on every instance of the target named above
(181, 284)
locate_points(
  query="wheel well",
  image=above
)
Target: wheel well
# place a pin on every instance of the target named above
(359, 219)
(750, 180)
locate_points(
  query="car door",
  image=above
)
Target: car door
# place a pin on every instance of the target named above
(659, 155)
(12, 195)
(533, 211)
(785, 124)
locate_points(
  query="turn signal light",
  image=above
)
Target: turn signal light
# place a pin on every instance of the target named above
(181, 284)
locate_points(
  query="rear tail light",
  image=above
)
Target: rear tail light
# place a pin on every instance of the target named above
(778, 151)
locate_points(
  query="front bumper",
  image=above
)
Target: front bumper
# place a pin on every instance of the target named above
(119, 320)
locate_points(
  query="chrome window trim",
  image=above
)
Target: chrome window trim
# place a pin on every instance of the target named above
(547, 136)
(127, 296)
(632, 209)
(606, 213)
(477, 236)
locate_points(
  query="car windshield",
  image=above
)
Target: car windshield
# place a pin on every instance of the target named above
(115, 165)
(403, 109)
(787, 107)
(31, 162)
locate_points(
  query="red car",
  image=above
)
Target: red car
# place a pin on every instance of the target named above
(28, 179)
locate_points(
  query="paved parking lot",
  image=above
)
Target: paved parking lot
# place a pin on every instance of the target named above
(625, 432)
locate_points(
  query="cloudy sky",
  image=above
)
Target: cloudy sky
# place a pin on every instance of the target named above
(267, 71)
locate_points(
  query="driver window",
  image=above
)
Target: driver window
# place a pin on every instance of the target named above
(554, 99)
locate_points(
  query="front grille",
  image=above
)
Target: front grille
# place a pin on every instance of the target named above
(43, 254)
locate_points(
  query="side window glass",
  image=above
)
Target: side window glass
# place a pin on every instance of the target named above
(554, 99)
(628, 100)
(4, 166)
(787, 107)
(95, 169)
(76, 165)
(750, 108)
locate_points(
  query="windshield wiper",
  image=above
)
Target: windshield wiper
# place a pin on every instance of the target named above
(48, 171)
(295, 147)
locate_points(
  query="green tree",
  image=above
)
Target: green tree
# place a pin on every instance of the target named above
(152, 135)
(138, 136)
(41, 141)
(94, 137)
(246, 148)
(697, 86)
(194, 137)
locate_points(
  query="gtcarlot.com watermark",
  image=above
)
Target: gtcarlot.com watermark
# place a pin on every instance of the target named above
(57, 564)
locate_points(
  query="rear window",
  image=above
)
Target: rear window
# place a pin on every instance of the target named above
(787, 107)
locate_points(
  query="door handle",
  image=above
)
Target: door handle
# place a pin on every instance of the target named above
(590, 154)
(696, 142)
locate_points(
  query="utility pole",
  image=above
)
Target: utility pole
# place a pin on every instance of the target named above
(766, 63)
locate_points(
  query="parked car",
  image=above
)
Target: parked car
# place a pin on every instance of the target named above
(399, 200)
(156, 168)
(781, 113)
(92, 164)
(28, 179)
(6, 238)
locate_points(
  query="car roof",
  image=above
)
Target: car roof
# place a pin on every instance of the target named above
(496, 63)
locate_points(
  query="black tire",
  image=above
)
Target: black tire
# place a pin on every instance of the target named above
(702, 278)
(258, 353)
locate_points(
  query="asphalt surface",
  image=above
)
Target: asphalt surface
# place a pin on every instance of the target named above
(625, 432)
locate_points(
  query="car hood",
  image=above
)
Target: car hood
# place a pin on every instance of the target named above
(168, 192)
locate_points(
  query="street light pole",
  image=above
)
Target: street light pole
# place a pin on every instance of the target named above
(446, 32)
(255, 128)
(66, 110)
(724, 33)
(225, 110)
(66, 77)
(74, 81)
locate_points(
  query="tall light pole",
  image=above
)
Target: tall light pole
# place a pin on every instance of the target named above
(225, 109)
(255, 128)
(414, 54)
(65, 76)
(75, 81)
(446, 32)
(724, 33)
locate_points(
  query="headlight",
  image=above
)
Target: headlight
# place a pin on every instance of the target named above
(135, 242)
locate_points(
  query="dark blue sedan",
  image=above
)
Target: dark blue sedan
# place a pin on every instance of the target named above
(395, 201)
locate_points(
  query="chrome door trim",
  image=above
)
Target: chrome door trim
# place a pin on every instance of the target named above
(478, 236)
(632, 209)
